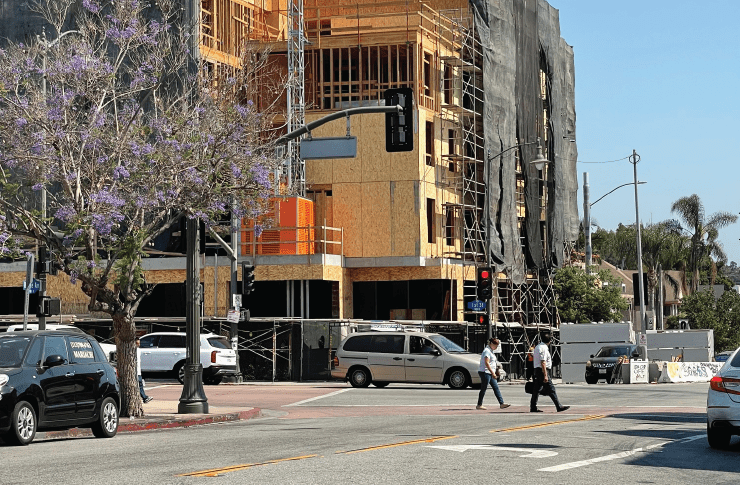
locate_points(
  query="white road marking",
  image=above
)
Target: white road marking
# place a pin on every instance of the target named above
(528, 453)
(576, 464)
(316, 398)
(616, 456)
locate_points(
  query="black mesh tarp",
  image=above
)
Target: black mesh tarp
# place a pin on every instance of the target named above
(518, 38)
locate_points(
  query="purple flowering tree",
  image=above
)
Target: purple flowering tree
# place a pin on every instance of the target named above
(106, 116)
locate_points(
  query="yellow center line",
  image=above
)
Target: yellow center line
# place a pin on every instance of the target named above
(393, 445)
(551, 423)
(218, 471)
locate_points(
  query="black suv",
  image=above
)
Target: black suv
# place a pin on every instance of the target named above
(55, 379)
(601, 365)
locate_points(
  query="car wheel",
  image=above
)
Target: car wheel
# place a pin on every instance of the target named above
(180, 371)
(23, 424)
(591, 380)
(359, 377)
(107, 424)
(458, 379)
(718, 438)
(380, 384)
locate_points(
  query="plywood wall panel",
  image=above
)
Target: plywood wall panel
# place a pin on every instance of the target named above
(347, 212)
(376, 162)
(405, 229)
(376, 220)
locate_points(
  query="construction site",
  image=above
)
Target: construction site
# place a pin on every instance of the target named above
(393, 237)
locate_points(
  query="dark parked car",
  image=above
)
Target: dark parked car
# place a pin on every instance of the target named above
(55, 379)
(601, 365)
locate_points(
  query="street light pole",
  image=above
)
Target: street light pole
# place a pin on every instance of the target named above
(538, 163)
(587, 221)
(634, 160)
(193, 399)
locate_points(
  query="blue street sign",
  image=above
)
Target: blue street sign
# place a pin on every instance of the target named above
(477, 305)
(35, 286)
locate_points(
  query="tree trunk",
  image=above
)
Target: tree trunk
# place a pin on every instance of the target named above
(652, 281)
(125, 332)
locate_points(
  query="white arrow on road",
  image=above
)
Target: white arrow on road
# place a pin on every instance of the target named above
(528, 453)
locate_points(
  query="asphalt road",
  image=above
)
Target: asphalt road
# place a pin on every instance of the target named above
(331, 433)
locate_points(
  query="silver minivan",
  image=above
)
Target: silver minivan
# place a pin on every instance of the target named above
(384, 357)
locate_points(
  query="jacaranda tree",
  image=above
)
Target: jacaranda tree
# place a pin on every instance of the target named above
(110, 114)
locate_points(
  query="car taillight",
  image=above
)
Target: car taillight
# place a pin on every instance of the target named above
(336, 362)
(717, 383)
(213, 356)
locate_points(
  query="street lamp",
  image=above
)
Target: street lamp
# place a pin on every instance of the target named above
(634, 159)
(587, 216)
(539, 163)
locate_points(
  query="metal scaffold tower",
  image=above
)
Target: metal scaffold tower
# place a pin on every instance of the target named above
(295, 168)
(462, 108)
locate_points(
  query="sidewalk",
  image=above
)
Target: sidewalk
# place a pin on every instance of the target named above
(162, 414)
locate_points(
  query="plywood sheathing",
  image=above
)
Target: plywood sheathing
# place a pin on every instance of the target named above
(404, 211)
(348, 215)
(376, 219)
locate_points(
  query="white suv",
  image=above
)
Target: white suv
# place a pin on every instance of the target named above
(165, 351)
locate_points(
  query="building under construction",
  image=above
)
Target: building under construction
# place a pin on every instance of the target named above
(398, 236)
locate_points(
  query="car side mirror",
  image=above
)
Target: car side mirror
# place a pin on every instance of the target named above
(592, 356)
(53, 361)
(436, 352)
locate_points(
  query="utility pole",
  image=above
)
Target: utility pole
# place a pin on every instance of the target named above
(634, 160)
(193, 399)
(234, 276)
(587, 221)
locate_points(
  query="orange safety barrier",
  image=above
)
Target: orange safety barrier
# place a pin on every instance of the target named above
(292, 229)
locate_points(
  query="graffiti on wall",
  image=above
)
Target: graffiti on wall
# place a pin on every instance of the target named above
(689, 371)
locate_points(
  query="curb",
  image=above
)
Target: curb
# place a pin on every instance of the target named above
(155, 422)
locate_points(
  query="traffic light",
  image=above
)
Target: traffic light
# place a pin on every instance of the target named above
(44, 265)
(399, 127)
(485, 283)
(482, 319)
(247, 278)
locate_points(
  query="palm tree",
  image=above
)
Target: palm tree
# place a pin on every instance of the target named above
(703, 231)
(662, 245)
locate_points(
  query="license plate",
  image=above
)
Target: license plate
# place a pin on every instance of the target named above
(602, 371)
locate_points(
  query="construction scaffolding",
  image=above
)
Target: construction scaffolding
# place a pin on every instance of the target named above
(461, 87)
(294, 167)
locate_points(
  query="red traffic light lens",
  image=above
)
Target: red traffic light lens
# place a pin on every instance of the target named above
(485, 274)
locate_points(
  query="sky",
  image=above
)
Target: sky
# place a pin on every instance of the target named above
(662, 78)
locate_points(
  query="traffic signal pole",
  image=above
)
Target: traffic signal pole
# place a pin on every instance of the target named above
(335, 116)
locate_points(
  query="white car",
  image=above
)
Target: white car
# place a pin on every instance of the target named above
(165, 351)
(383, 357)
(723, 403)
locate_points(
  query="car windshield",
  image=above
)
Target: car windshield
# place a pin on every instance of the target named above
(12, 350)
(447, 344)
(613, 351)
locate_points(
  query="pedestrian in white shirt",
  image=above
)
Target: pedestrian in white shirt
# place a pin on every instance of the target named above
(488, 372)
(542, 380)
